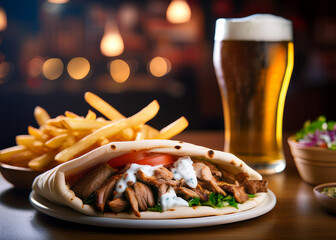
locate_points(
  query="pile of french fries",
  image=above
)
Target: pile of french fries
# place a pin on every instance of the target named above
(68, 136)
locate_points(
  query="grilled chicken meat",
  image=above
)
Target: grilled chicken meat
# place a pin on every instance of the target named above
(145, 191)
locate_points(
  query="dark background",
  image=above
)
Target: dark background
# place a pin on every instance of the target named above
(74, 29)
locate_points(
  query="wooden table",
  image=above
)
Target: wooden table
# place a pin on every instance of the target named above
(295, 216)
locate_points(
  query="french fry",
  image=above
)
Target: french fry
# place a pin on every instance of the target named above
(21, 159)
(37, 133)
(56, 122)
(41, 115)
(107, 131)
(25, 140)
(173, 129)
(80, 134)
(108, 111)
(83, 124)
(57, 141)
(7, 153)
(71, 114)
(151, 132)
(101, 106)
(103, 141)
(91, 115)
(53, 131)
(67, 136)
(31, 143)
(71, 140)
(40, 163)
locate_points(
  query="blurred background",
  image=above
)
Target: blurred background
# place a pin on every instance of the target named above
(53, 51)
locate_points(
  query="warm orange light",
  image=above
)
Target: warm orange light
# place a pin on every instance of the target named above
(34, 66)
(78, 68)
(159, 66)
(178, 11)
(3, 19)
(119, 70)
(58, 1)
(52, 68)
(111, 44)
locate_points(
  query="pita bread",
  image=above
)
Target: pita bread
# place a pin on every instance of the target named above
(52, 185)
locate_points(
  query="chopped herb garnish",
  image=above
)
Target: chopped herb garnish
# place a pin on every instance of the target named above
(194, 202)
(215, 200)
(156, 208)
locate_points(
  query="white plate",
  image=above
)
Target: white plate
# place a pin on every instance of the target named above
(68, 214)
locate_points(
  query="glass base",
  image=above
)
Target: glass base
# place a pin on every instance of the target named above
(268, 168)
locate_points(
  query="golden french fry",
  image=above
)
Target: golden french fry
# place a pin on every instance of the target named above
(151, 132)
(83, 124)
(101, 106)
(100, 119)
(56, 122)
(90, 115)
(21, 159)
(173, 129)
(41, 115)
(38, 144)
(103, 141)
(57, 141)
(141, 133)
(25, 140)
(107, 131)
(7, 153)
(37, 133)
(71, 140)
(108, 111)
(126, 134)
(146, 132)
(31, 143)
(80, 134)
(40, 163)
(71, 114)
(53, 131)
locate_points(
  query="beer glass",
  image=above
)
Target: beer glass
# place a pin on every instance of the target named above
(253, 59)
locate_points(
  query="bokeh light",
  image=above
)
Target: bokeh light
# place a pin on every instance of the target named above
(119, 70)
(52, 68)
(78, 68)
(58, 1)
(112, 44)
(34, 67)
(178, 11)
(159, 66)
(3, 19)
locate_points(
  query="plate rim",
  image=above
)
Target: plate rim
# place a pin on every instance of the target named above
(67, 214)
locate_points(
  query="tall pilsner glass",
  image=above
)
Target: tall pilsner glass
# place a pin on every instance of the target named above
(253, 59)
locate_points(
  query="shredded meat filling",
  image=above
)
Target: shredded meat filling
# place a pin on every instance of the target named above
(146, 191)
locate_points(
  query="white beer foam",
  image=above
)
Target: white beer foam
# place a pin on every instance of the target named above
(257, 27)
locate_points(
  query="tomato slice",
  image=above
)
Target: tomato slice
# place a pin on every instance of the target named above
(159, 159)
(127, 158)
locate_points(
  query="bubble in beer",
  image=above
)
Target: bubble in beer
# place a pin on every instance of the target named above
(257, 27)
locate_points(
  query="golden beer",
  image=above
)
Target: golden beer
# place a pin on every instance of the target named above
(253, 75)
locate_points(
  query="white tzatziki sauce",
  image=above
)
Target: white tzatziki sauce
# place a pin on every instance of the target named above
(129, 175)
(169, 200)
(183, 168)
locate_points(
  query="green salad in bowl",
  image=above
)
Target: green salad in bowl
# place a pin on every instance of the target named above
(320, 133)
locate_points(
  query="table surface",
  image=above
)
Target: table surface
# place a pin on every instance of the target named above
(296, 215)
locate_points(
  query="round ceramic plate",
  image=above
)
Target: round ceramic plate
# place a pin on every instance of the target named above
(68, 214)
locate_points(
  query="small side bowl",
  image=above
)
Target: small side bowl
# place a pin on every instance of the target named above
(327, 202)
(315, 165)
(22, 178)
